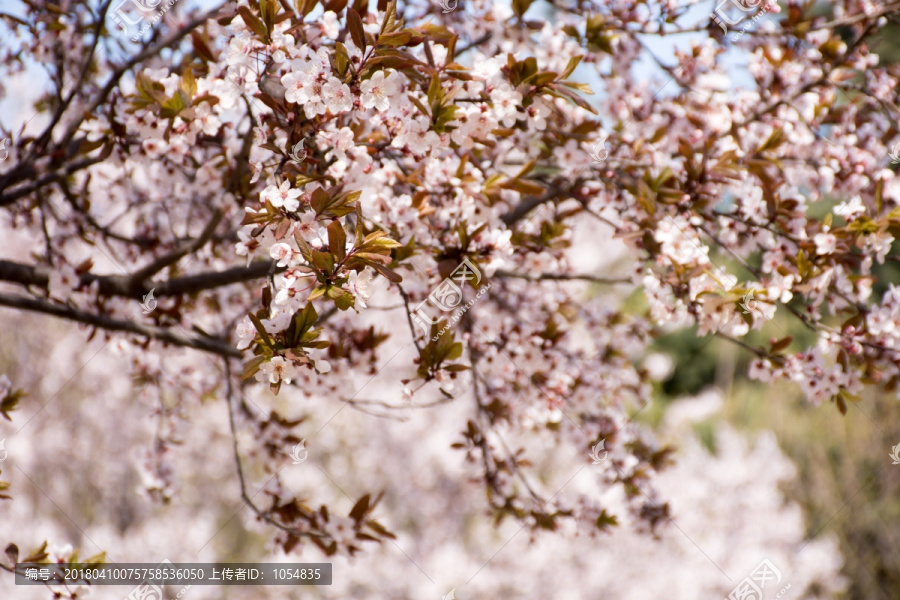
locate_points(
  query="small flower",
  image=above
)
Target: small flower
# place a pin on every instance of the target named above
(342, 530)
(377, 90)
(282, 253)
(298, 87)
(330, 25)
(826, 243)
(308, 226)
(247, 332)
(277, 369)
(851, 208)
(282, 196)
(506, 101)
(359, 287)
(336, 96)
(153, 147)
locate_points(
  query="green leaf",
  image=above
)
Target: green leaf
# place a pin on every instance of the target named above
(304, 7)
(317, 293)
(571, 66)
(369, 257)
(435, 95)
(379, 242)
(253, 22)
(454, 352)
(39, 555)
(357, 33)
(252, 366)
(323, 261)
(606, 520)
(397, 38)
(360, 508)
(174, 105)
(581, 87)
(341, 59)
(337, 206)
(261, 330)
(543, 78)
(269, 10)
(380, 530)
(390, 18)
(301, 322)
(335, 6)
(10, 403)
(388, 273)
(188, 83)
(151, 91)
(521, 6)
(97, 559)
(419, 105)
(337, 240)
(319, 200)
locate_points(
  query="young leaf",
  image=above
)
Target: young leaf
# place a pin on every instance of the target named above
(357, 33)
(337, 240)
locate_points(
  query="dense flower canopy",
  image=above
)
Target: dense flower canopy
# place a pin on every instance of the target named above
(495, 206)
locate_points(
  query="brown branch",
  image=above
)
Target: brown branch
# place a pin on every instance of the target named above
(169, 336)
(524, 207)
(123, 285)
(412, 328)
(245, 496)
(164, 261)
(47, 179)
(191, 284)
(562, 277)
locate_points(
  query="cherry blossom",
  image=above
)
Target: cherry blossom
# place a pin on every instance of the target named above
(495, 269)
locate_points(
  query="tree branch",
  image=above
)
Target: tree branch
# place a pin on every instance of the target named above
(124, 285)
(177, 338)
(563, 277)
(164, 261)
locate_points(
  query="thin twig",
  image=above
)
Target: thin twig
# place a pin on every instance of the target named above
(169, 336)
(563, 277)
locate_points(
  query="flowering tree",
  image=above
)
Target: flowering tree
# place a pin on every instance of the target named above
(246, 183)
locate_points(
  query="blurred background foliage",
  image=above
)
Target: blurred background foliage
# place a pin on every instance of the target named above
(846, 481)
